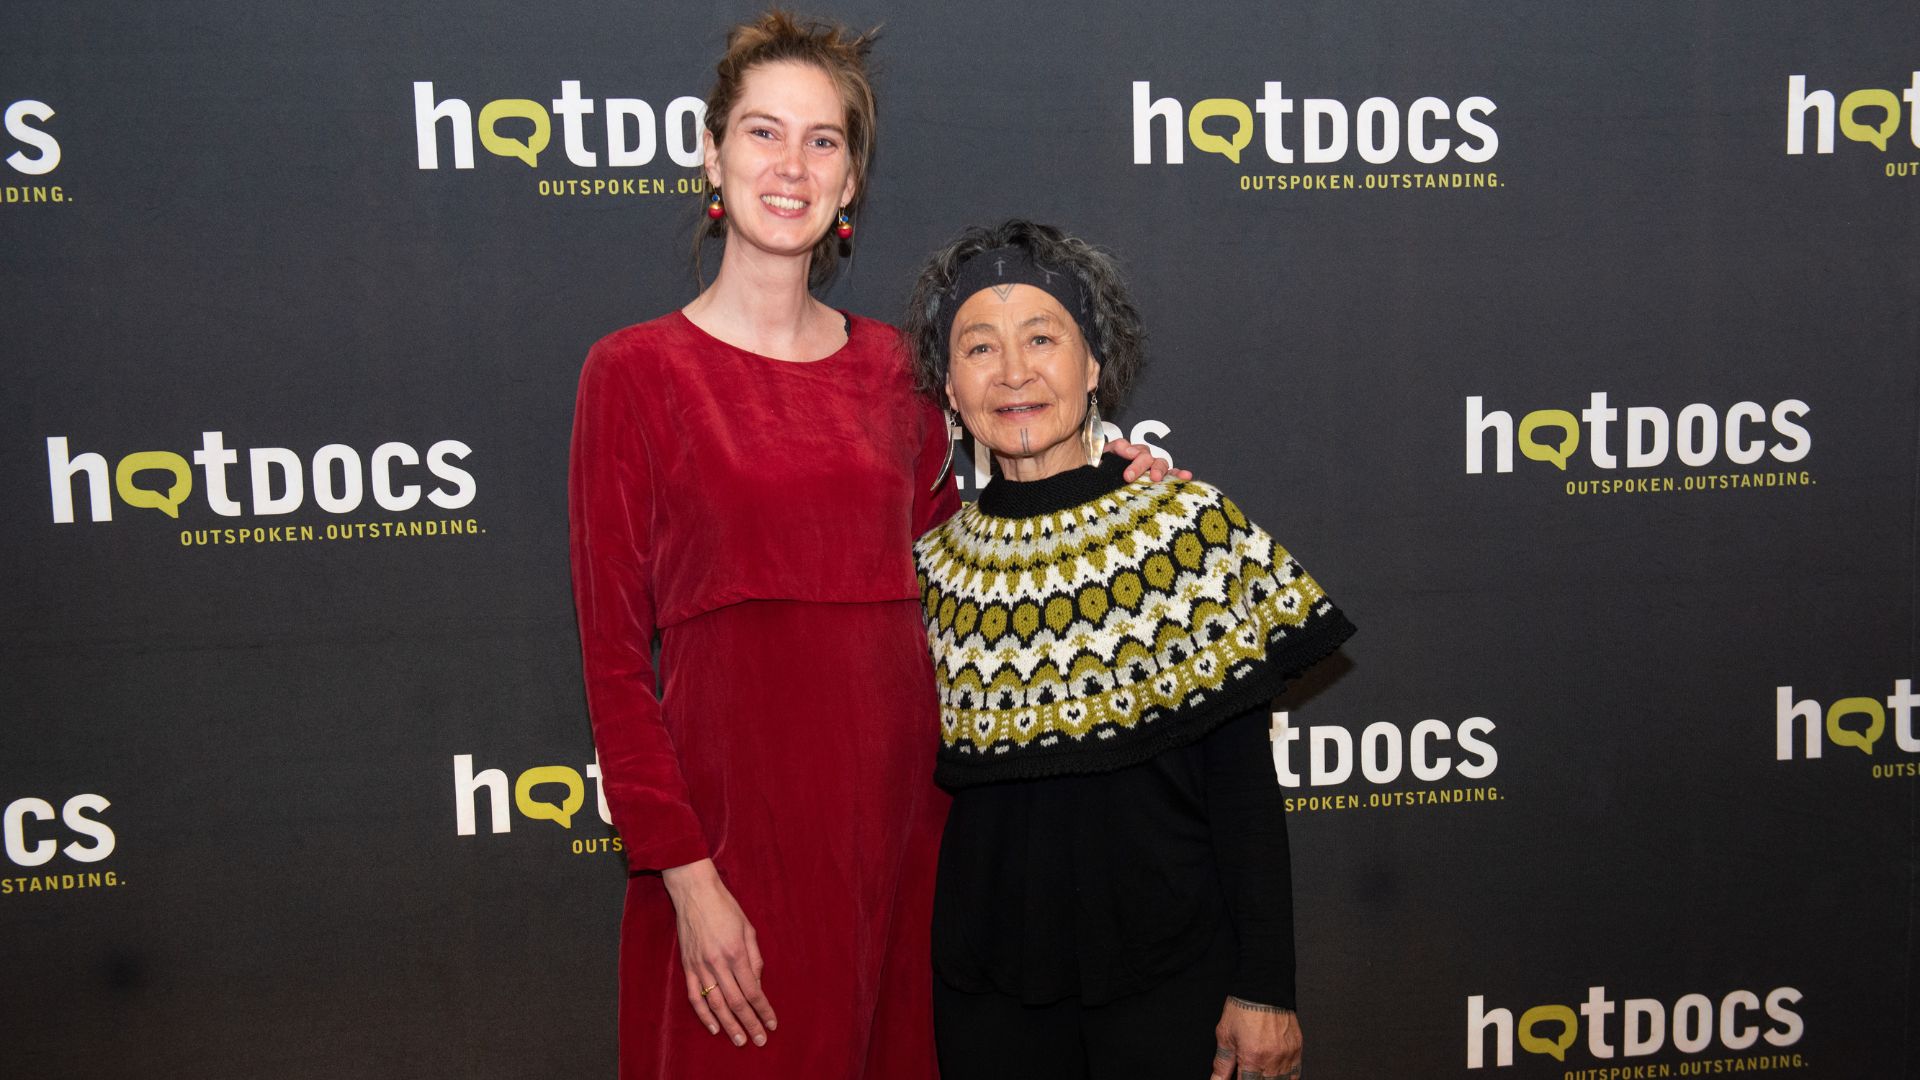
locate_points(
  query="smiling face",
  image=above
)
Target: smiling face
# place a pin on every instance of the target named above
(1019, 376)
(783, 166)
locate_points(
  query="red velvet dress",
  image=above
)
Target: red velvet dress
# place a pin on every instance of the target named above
(757, 516)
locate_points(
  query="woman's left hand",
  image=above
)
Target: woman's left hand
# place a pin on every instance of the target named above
(1143, 462)
(1256, 1042)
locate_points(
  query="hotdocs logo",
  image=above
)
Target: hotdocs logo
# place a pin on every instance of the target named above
(1851, 725)
(1699, 441)
(34, 155)
(1694, 1024)
(63, 846)
(1431, 763)
(1870, 116)
(628, 134)
(1378, 144)
(339, 481)
(550, 793)
(967, 449)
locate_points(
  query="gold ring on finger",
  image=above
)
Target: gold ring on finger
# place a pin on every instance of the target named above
(708, 990)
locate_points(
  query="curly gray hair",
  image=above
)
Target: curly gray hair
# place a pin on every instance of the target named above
(1113, 328)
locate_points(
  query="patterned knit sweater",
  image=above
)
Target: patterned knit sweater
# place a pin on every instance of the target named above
(1080, 624)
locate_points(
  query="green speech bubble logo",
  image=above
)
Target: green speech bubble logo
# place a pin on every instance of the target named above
(1861, 706)
(1870, 99)
(1214, 144)
(1540, 418)
(168, 501)
(562, 811)
(519, 108)
(1556, 1047)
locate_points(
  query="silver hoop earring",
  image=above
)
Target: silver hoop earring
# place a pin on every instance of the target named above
(1094, 438)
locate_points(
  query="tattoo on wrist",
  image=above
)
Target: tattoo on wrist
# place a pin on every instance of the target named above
(1256, 1006)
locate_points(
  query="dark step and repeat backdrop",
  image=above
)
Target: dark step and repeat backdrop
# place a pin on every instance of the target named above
(1576, 348)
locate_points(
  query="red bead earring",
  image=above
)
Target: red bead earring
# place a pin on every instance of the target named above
(845, 228)
(714, 209)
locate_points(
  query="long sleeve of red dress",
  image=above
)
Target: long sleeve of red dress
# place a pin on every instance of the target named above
(611, 504)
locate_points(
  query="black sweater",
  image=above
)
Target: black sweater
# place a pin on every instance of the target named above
(1105, 885)
(1105, 655)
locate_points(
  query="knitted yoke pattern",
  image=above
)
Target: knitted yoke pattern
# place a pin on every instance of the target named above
(1079, 624)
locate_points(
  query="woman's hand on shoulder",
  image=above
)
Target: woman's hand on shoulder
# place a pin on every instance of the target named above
(719, 954)
(1256, 1042)
(1143, 463)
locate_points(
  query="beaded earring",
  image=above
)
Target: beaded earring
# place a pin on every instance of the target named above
(1093, 438)
(950, 419)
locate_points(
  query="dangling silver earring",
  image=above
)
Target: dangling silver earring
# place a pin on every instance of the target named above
(1094, 438)
(948, 420)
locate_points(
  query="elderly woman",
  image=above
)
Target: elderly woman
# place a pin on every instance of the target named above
(1113, 887)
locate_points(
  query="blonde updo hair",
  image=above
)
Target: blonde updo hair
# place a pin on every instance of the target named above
(782, 37)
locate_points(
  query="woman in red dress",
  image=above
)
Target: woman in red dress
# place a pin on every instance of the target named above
(748, 476)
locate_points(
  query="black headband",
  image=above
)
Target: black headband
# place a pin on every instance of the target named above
(1005, 267)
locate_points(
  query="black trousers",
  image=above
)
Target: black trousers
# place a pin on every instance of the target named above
(1163, 1032)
